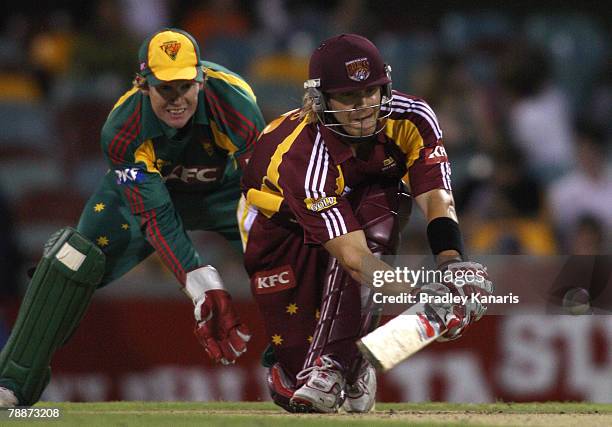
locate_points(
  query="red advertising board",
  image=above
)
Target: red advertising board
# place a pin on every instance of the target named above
(145, 350)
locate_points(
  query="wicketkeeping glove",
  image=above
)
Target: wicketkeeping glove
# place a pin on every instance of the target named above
(462, 279)
(218, 327)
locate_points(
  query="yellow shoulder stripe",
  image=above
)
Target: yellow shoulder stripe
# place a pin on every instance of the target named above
(272, 172)
(277, 122)
(407, 137)
(339, 181)
(125, 96)
(231, 79)
(222, 140)
(146, 154)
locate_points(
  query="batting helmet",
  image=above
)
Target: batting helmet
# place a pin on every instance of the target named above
(345, 63)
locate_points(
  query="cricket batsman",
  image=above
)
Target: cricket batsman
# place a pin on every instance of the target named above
(176, 144)
(322, 192)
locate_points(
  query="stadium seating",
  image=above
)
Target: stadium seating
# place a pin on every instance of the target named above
(40, 212)
(79, 123)
(577, 46)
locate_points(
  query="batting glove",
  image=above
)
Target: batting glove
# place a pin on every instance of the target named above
(461, 279)
(218, 327)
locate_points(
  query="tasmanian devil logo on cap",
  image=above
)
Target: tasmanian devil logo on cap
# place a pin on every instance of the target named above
(171, 49)
(358, 69)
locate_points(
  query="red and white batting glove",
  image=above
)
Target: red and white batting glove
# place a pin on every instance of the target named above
(463, 279)
(218, 327)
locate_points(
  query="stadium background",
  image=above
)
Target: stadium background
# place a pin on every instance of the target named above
(523, 94)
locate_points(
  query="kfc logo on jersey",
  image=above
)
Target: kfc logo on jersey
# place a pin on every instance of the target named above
(358, 69)
(195, 174)
(130, 174)
(276, 280)
(435, 154)
(321, 204)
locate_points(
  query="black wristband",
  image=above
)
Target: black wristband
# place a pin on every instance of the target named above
(443, 234)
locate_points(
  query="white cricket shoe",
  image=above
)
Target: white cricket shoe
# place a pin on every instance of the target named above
(361, 396)
(7, 398)
(323, 389)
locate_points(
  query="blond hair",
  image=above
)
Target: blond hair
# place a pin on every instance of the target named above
(307, 111)
(140, 82)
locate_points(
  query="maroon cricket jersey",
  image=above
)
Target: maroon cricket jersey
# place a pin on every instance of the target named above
(302, 172)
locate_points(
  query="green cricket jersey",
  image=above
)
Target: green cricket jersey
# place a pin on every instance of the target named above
(163, 181)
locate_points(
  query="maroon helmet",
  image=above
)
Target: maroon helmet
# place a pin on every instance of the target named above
(345, 63)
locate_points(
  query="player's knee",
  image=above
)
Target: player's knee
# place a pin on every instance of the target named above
(74, 256)
(382, 236)
(377, 212)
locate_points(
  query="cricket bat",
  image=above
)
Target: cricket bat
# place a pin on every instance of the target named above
(400, 338)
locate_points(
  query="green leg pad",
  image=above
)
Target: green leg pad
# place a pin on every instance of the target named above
(56, 300)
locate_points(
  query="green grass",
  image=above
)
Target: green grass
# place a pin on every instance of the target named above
(205, 414)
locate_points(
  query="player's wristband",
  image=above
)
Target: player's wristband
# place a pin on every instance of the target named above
(443, 234)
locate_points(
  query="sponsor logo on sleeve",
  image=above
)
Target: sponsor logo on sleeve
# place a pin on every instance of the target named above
(436, 154)
(127, 175)
(319, 205)
(276, 280)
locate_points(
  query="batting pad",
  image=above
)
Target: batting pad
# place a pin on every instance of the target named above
(55, 301)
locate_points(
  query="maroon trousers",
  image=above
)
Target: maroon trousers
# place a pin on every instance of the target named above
(310, 305)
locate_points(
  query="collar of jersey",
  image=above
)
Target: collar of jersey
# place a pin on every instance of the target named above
(152, 126)
(337, 149)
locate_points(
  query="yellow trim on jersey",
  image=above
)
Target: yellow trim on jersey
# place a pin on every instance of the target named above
(242, 212)
(125, 96)
(222, 140)
(272, 173)
(146, 154)
(277, 122)
(231, 79)
(267, 203)
(339, 181)
(407, 137)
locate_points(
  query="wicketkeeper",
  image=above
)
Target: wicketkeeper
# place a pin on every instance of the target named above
(322, 192)
(175, 144)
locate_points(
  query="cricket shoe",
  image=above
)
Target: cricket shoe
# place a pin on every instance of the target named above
(361, 395)
(281, 387)
(323, 389)
(7, 398)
